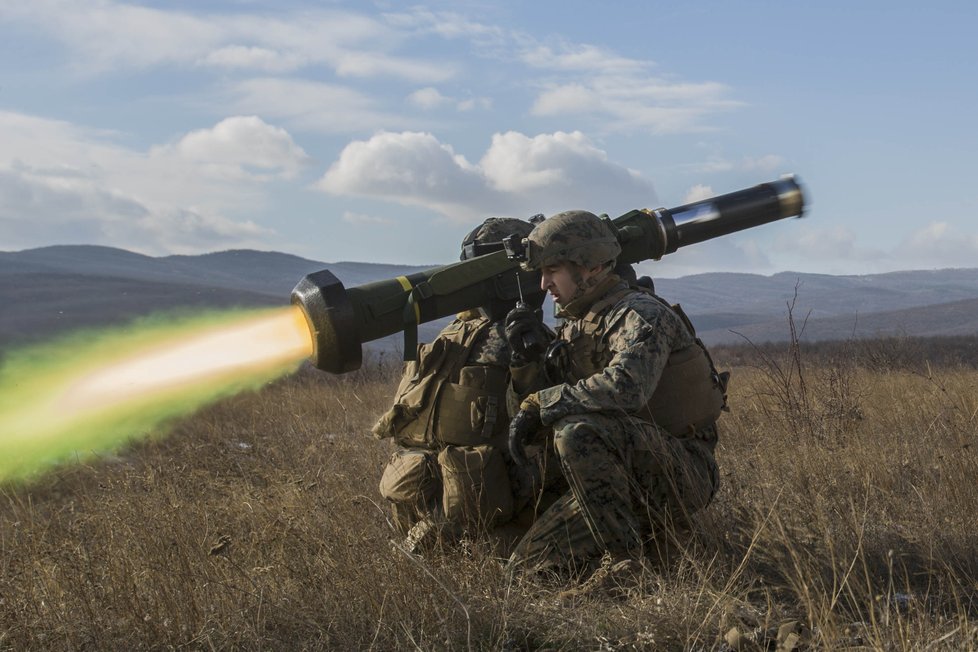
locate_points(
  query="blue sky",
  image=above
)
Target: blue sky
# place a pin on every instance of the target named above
(383, 132)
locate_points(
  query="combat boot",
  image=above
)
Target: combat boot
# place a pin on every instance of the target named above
(614, 577)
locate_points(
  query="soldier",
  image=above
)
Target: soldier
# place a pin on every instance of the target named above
(630, 392)
(450, 472)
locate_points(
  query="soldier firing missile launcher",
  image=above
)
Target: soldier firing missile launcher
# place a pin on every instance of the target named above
(342, 319)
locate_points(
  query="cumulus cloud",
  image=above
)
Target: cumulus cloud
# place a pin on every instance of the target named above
(517, 175)
(412, 168)
(65, 184)
(239, 148)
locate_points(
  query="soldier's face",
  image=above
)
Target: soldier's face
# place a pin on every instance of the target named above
(564, 280)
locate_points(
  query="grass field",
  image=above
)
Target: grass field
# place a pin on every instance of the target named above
(846, 520)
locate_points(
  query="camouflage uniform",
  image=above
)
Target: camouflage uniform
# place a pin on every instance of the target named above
(438, 434)
(628, 476)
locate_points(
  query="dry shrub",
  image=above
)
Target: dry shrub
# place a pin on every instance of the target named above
(846, 518)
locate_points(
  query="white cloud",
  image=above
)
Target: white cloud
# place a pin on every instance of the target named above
(252, 58)
(819, 243)
(411, 168)
(582, 58)
(730, 254)
(312, 105)
(450, 25)
(62, 183)
(517, 175)
(35, 211)
(471, 104)
(103, 35)
(838, 249)
(578, 80)
(567, 98)
(626, 101)
(585, 80)
(428, 98)
(698, 193)
(766, 163)
(239, 148)
(559, 162)
(375, 64)
(938, 244)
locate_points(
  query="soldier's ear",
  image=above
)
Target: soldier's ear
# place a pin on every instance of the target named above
(597, 269)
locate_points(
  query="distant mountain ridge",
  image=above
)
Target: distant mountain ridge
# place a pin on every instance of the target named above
(240, 269)
(49, 290)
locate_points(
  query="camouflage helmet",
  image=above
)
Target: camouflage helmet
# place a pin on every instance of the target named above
(573, 236)
(489, 235)
(507, 288)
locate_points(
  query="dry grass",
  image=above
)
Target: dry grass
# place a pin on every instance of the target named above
(848, 507)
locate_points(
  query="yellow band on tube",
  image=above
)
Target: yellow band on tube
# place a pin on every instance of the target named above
(406, 284)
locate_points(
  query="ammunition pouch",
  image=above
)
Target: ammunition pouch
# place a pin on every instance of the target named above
(407, 420)
(475, 486)
(411, 478)
(472, 412)
(441, 401)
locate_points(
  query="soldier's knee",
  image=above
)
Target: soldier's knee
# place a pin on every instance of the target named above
(573, 436)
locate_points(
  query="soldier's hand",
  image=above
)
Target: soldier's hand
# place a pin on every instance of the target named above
(523, 426)
(526, 333)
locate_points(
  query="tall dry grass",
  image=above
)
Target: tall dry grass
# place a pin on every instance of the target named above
(846, 520)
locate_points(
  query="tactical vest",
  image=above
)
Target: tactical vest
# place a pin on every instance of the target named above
(690, 394)
(442, 400)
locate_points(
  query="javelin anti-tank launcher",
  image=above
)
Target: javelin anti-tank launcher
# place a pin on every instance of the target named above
(342, 319)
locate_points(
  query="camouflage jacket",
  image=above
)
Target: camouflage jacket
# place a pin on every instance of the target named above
(619, 340)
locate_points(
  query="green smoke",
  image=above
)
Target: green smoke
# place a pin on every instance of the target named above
(41, 424)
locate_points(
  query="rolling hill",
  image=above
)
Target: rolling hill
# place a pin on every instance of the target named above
(50, 290)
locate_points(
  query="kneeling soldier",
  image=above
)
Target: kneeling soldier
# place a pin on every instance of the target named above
(451, 472)
(630, 392)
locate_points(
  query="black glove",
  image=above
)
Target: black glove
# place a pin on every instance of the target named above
(526, 333)
(523, 426)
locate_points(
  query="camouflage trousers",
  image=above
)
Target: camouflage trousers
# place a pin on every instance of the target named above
(627, 480)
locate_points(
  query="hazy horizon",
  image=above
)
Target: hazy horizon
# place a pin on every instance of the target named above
(646, 267)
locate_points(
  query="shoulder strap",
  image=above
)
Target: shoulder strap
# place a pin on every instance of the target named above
(595, 312)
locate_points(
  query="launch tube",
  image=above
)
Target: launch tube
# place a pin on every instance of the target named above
(342, 319)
